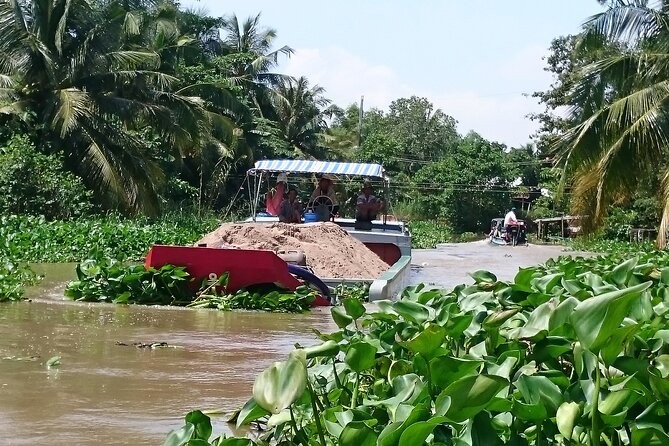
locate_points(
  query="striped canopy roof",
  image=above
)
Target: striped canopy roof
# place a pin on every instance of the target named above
(322, 167)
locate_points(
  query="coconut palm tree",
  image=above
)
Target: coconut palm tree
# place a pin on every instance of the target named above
(620, 103)
(248, 38)
(77, 71)
(301, 112)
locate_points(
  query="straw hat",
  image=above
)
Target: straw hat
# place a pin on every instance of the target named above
(282, 178)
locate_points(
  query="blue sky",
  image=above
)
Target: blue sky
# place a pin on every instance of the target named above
(474, 59)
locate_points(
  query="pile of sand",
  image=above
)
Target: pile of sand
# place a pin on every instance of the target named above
(330, 251)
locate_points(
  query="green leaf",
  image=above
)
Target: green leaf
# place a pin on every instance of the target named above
(327, 349)
(531, 412)
(537, 324)
(360, 356)
(621, 274)
(404, 388)
(546, 283)
(181, 436)
(202, 424)
(250, 412)
(471, 394)
(427, 341)
(596, 318)
(661, 363)
(233, 441)
(561, 314)
(340, 317)
(357, 433)
(650, 435)
(399, 368)
(483, 432)
(567, 415)
(476, 300)
(540, 390)
(391, 434)
(412, 311)
(618, 339)
(445, 370)
(483, 276)
(281, 384)
(417, 433)
(615, 402)
(354, 307)
(497, 318)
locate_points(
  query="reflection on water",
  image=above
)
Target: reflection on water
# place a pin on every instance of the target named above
(105, 393)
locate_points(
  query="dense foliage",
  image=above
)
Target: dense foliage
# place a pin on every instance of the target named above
(108, 280)
(571, 352)
(438, 174)
(154, 107)
(35, 239)
(612, 144)
(32, 183)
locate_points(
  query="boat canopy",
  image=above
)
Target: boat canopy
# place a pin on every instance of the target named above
(322, 167)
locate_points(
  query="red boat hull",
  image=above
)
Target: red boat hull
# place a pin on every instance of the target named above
(246, 267)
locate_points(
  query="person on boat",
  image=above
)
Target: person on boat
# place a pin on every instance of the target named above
(291, 209)
(510, 221)
(367, 205)
(325, 188)
(273, 201)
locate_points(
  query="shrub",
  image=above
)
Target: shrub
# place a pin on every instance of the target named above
(33, 183)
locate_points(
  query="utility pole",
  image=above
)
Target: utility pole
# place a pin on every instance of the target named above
(360, 113)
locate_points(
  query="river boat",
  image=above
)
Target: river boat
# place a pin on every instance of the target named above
(386, 237)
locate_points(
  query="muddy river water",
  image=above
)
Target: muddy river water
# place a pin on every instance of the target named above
(112, 394)
(108, 391)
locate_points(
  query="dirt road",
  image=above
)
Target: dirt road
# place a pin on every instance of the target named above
(450, 263)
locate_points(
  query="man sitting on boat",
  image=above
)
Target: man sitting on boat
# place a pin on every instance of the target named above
(367, 205)
(291, 209)
(324, 195)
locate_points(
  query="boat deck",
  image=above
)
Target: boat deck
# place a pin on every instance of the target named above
(391, 241)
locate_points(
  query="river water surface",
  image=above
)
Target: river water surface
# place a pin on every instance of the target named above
(112, 394)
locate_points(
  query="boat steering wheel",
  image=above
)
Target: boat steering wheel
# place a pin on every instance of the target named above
(323, 200)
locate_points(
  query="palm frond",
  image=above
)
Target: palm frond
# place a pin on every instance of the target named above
(7, 81)
(73, 106)
(132, 23)
(631, 21)
(132, 60)
(663, 232)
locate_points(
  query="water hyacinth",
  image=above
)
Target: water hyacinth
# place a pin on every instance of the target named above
(575, 351)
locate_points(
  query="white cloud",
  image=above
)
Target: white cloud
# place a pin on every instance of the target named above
(346, 76)
(500, 116)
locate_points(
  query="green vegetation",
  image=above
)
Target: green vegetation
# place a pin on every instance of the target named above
(571, 352)
(32, 183)
(25, 239)
(345, 291)
(14, 277)
(617, 248)
(612, 147)
(428, 234)
(112, 281)
(35, 239)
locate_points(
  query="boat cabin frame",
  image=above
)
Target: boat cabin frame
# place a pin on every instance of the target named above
(263, 169)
